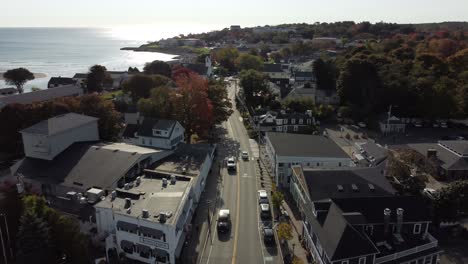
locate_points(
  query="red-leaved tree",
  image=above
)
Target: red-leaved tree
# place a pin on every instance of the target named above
(193, 107)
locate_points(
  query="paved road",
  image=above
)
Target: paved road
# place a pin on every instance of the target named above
(238, 194)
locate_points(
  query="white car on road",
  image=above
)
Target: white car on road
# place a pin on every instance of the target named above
(245, 155)
(262, 197)
(231, 163)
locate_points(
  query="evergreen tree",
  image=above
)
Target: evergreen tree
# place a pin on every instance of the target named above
(33, 240)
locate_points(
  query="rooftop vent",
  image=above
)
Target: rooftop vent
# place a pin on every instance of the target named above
(129, 210)
(128, 203)
(162, 217)
(164, 182)
(184, 170)
(126, 186)
(371, 187)
(340, 188)
(113, 195)
(173, 179)
(138, 181)
(354, 187)
(145, 213)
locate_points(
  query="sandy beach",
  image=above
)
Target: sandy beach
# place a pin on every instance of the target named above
(36, 75)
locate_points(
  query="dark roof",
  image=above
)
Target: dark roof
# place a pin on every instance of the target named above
(58, 124)
(374, 150)
(458, 146)
(324, 183)
(340, 239)
(303, 74)
(272, 67)
(80, 76)
(148, 124)
(199, 68)
(41, 96)
(300, 145)
(56, 81)
(8, 90)
(79, 165)
(446, 158)
(416, 209)
(130, 130)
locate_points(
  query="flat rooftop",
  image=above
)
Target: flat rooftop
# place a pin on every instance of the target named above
(152, 196)
(187, 160)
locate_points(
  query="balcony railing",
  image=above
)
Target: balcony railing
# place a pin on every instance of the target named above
(313, 250)
(410, 251)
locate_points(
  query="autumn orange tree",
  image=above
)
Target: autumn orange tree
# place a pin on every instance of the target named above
(193, 108)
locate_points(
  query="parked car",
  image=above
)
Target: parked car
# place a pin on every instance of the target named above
(231, 163)
(430, 193)
(245, 155)
(418, 124)
(268, 235)
(265, 211)
(224, 221)
(362, 124)
(262, 197)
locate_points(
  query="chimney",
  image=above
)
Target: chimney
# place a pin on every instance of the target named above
(162, 217)
(387, 213)
(173, 179)
(113, 195)
(138, 181)
(145, 213)
(126, 186)
(431, 153)
(399, 212)
(128, 203)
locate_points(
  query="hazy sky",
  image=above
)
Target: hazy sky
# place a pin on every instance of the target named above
(104, 13)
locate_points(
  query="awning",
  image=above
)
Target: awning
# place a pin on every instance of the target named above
(151, 232)
(127, 226)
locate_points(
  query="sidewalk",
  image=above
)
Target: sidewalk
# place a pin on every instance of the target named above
(198, 238)
(296, 223)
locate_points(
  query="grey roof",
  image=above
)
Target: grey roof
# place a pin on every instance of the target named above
(148, 124)
(272, 67)
(85, 165)
(300, 145)
(42, 95)
(374, 150)
(130, 130)
(324, 183)
(300, 93)
(58, 124)
(447, 159)
(187, 156)
(80, 76)
(303, 74)
(152, 196)
(458, 146)
(8, 90)
(55, 81)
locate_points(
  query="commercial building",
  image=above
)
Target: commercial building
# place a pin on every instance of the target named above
(310, 151)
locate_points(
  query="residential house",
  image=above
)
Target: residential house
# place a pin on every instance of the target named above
(302, 77)
(154, 133)
(117, 78)
(60, 81)
(235, 27)
(391, 125)
(80, 78)
(449, 156)
(8, 91)
(41, 96)
(278, 73)
(169, 42)
(311, 151)
(285, 122)
(369, 153)
(150, 219)
(205, 70)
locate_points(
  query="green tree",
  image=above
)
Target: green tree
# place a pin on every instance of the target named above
(255, 86)
(277, 199)
(139, 85)
(226, 57)
(451, 202)
(18, 77)
(300, 105)
(158, 67)
(222, 105)
(284, 231)
(158, 105)
(96, 78)
(33, 240)
(35, 89)
(325, 74)
(249, 62)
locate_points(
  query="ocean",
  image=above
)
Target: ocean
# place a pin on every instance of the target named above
(66, 51)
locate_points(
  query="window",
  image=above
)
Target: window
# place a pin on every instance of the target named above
(151, 142)
(143, 141)
(296, 128)
(369, 229)
(280, 165)
(362, 260)
(293, 121)
(285, 121)
(309, 121)
(318, 164)
(301, 121)
(427, 259)
(417, 229)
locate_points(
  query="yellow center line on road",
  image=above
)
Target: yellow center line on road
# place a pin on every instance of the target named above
(236, 233)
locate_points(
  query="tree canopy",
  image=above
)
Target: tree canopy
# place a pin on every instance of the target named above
(18, 77)
(139, 85)
(249, 62)
(158, 67)
(255, 87)
(96, 79)
(226, 57)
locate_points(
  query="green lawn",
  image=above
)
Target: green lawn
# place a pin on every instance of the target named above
(111, 95)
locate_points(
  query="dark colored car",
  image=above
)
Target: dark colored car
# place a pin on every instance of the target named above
(268, 235)
(224, 221)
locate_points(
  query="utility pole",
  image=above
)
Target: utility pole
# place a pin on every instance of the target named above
(8, 235)
(3, 246)
(388, 119)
